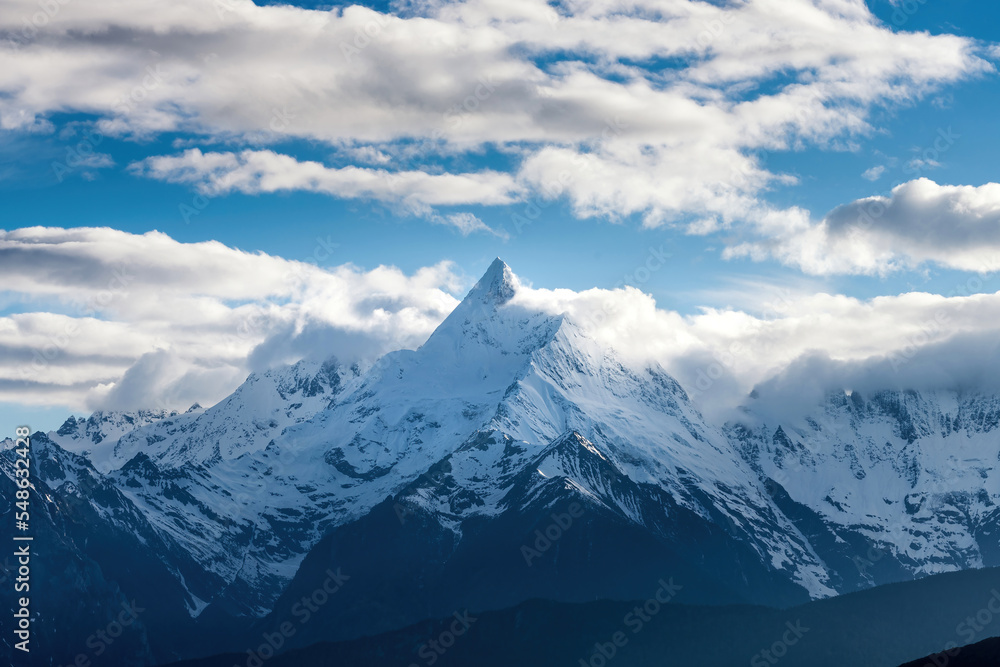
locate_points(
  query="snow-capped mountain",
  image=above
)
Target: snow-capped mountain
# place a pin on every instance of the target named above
(97, 436)
(911, 476)
(213, 481)
(458, 454)
(243, 423)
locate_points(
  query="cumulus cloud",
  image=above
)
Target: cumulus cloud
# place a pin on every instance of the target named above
(558, 89)
(919, 222)
(188, 320)
(721, 355)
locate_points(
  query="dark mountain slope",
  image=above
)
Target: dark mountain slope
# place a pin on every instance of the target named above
(876, 628)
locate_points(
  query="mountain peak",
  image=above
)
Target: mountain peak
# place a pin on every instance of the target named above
(484, 318)
(498, 284)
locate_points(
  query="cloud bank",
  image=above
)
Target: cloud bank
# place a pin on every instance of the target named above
(177, 323)
(919, 223)
(189, 320)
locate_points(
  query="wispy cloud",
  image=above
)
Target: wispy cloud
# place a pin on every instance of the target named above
(874, 173)
(263, 171)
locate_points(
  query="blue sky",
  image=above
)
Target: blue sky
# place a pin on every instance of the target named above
(907, 81)
(559, 251)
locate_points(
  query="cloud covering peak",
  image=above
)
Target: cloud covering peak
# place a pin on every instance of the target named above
(190, 320)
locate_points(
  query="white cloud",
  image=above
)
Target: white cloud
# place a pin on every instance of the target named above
(720, 355)
(920, 222)
(874, 173)
(367, 155)
(462, 76)
(257, 171)
(917, 165)
(188, 320)
(964, 362)
(466, 223)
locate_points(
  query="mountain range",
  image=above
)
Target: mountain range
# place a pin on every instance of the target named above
(510, 458)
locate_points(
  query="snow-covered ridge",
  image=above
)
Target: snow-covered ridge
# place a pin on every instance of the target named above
(97, 436)
(916, 473)
(508, 402)
(244, 422)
